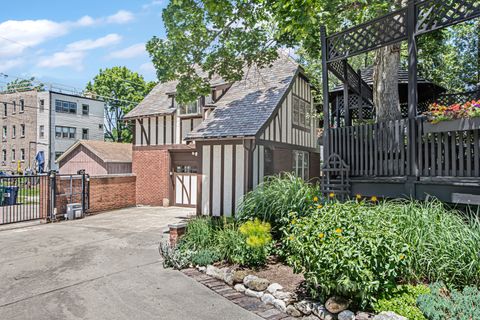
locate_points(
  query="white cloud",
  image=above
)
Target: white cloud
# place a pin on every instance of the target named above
(85, 21)
(148, 67)
(63, 59)
(129, 52)
(16, 36)
(120, 17)
(10, 64)
(89, 44)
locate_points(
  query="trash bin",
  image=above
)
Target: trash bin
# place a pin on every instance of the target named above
(2, 193)
(10, 196)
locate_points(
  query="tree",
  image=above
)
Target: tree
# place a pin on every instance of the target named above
(121, 89)
(227, 37)
(22, 85)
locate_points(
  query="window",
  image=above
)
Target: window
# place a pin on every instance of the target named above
(13, 155)
(191, 108)
(100, 126)
(4, 133)
(85, 109)
(4, 155)
(42, 105)
(14, 131)
(65, 132)
(22, 130)
(5, 109)
(301, 164)
(22, 105)
(41, 131)
(14, 107)
(301, 112)
(22, 154)
(85, 134)
(58, 132)
(72, 133)
(65, 106)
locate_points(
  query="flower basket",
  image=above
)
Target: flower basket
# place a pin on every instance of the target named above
(462, 124)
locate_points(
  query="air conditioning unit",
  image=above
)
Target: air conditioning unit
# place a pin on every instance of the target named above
(74, 211)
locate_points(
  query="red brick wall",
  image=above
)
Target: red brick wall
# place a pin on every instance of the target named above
(111, 192)
(152, 169)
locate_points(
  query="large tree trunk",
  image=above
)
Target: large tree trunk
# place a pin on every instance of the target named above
(385, 83)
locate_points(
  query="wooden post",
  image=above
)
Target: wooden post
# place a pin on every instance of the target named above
(412, 90)
(346, 105)
(326, 104)
(360, 100)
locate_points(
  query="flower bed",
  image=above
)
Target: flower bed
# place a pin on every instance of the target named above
(438, 113)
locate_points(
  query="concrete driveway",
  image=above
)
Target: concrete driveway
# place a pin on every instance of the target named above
(102, 267)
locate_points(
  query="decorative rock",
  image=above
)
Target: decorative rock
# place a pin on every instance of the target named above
(388, 315)
(292, 311)
(239, 275)
(346, 315)
(240, 287)
(267, 298)
(310, 317)
(282, 295)
(253, 293)
(274, 287)
(202, 269)
(361, 315)
(280, 305)
(259, 284)
(304, 307)
(228, 278)
(216, 272)
(248, 279)
(337, 304)
(320, 311)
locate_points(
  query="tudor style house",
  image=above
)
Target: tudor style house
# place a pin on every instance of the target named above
(209, 153)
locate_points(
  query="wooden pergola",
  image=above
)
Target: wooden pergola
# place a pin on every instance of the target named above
(406, 157)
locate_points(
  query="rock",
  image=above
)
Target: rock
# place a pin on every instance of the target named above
(304, 306)
(337, 304)
(240, 287)
(248, 279)
(346, 315)
(388, 315)
(292, 311)
(282, 295)
(259, 284)
(216, 272)
(361, 315)
(202, 269)
(280, 305)
(310, 317)
(228, 278)
(267, 298)
(274, 287)
(253, 293)
(320, 311)
(239, 275)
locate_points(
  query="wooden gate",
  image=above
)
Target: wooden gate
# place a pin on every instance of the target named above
(185, 189)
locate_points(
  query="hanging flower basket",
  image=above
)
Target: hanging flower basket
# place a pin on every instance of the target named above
(463, 124)
(457, 117)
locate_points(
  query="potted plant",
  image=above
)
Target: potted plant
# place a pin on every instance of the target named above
(456, 117)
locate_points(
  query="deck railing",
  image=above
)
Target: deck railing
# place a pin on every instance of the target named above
(382, 150)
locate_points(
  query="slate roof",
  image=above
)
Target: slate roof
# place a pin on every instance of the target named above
(107, 151)
(249, 103)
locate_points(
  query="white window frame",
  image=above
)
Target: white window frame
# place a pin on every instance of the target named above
(22, 130)
(190, 109)
(85, 112)
(4, 155)
(85, 134)
(22, 155)
(301, 110)
(4, 132)
(301, 164)
(62, 106)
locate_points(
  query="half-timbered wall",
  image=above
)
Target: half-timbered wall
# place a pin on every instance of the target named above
(281, 127)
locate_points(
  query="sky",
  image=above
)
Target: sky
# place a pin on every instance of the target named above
(67, 42)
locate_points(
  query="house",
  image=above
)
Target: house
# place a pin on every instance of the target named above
(45, 121)
(96, 158)
(209, 153)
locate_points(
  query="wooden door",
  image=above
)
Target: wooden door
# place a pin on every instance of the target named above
(185, 189)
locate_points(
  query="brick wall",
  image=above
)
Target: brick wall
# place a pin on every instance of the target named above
(152, 169)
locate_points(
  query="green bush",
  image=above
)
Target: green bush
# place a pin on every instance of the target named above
(345, 249)
(275, 198)
(200, 234)
(173, 257)
(445, 304)
(403, 301)
(205, 257)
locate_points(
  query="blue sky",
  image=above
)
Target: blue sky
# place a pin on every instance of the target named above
(67, 42)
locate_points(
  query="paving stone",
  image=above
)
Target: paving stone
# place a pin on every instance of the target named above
(269, 313)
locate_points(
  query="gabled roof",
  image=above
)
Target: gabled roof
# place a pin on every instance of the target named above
(249, 103)
(106, 151)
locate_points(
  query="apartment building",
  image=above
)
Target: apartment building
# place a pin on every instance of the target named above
(47, 121)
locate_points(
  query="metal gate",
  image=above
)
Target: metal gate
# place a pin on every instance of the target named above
(34, 197)
(185, 189)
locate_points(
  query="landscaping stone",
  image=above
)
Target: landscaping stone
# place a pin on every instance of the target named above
(253, 293)
(310, 317)
(239, 275)
(282, 295)
(337, 304)
(280, 305)
(274, 287)
(388, 315)
(202, 269)
(258, 284)
(267, 298)
(228, 278)
(248, 279)
(292, 311)
(361, 315)
(240, 287)
(320, 311)
(346, 315)
(305, 307)
(215, 272)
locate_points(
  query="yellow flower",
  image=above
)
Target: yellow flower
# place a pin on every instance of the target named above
(374, 199)
(321, 235)
(315, 199)
(319, 206)
(338, 230)
(293, 221)
(358, 196)
(291, 238)
(311, 207)
(402, 256)
(331, 195)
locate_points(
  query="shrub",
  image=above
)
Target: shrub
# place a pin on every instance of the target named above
(345, 249)
(403, 301)
(258, 240)
(231, 245)
(445, 304)
(200, 234)
(173, 257)
(205, 257)
(275, 198)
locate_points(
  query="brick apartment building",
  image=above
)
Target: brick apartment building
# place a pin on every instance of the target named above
(48, 121)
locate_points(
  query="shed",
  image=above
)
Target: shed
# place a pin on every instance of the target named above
(96, 158)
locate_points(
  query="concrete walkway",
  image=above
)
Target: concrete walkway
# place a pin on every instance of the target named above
(102, 267)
